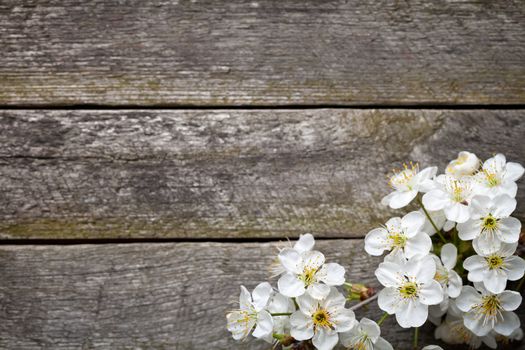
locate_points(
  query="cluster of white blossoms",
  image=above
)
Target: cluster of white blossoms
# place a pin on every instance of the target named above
(306, 308)
(451, 260)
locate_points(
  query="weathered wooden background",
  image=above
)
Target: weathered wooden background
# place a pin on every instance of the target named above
(147, 147)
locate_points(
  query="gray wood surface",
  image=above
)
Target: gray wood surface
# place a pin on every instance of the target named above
(146, 296)
(249, 52)
(229, 173)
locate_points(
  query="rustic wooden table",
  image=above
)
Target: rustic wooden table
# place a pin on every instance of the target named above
(149, 146)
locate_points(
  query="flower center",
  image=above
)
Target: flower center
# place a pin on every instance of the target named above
(321, 318)
(490, 306)
(408, 290)
(441, 275)
(494, 261)
(491, 177)
(401, 178)
(361, 342)
(490, 222)
(397, 240)
(308, 275)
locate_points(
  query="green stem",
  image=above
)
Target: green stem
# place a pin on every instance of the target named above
(348, 285)
(281, 314)
(382, 319)
(438, 231)
(416, 335)
(295, 303)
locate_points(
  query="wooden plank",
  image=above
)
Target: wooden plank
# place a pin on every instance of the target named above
(177, 52)
(233, 173)
(146, 296)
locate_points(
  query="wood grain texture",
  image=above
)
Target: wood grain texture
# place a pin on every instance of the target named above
(146, 296)
(233, 173)
(180, 52)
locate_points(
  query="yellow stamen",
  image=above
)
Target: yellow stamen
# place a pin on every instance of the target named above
(491, 177)
(308, 275)
(397, 240)
(403, 177)
(321, 318)
(409, 290)
(494, 261)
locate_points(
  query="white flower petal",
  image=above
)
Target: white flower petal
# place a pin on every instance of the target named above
(332, 274)
(305, 243)
(264, 325)
(476, 324)
(318, 290)
(400, 199)
(509, 230)
(503, 205)
(412, 223)
(382, 344)
(261, 294)
(388, 299)
(469, 230)
(307, 303)
(454, 284)
(344, 320)
(411, 314)
(495, 281)
(510, 300)
(486, 244)
(457, 212)
(476, 266)
(449, 255)
(431, 293)
(513, 171)
(376, 241)
(423, 268)
(515, 267)
(313, 259)
(325, 339)
(388, 274)
(302, 326)
(420, 244)
(435, 200)
(509, 324)
(370, 328)
(291, 260)
(468, 298)
(245, 299)
(289, 285)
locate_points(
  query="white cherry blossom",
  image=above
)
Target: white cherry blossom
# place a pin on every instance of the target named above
(307, 272)
(322, 320)
(305, 243)
(449, 280)
(400, 234)
(494, 269)
(409, 289)
(465, 164)
(485, 311)
(432, 347)
(407, 183)
(252, 314)
(498, 177)
(365, 335)
(490, 223)
(451, 195)
(453, 331)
